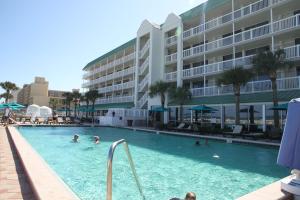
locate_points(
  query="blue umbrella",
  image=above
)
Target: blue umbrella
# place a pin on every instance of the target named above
(289, 152)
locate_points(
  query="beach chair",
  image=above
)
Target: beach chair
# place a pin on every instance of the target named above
(180, 126)
(39, 120)
(237, 130)
(68, 120)
(50, 120)
(253, 135)
(60, 120)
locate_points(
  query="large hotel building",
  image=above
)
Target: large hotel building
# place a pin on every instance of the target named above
(193, 49)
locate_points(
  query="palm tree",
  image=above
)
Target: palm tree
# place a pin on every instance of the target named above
(83, 99)
(53, 103)
(92, 95)
(68, 100)
(159, 88)
(8, 87)
(76, 99)
(236, 77)
(268, 63)
(180, 95)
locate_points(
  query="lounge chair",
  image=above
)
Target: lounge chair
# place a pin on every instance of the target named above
(237, 130)
(180, 126)
(50, 120)
(39, 120)
(253, 135)
(60, 120)
(68, 120)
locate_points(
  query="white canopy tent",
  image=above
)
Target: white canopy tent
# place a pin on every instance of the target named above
(45, 112)
(33, 111)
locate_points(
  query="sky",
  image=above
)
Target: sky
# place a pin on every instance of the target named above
(57, 38)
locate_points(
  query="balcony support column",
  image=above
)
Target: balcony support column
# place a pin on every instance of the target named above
(233, 30)
(271, 19)
(179, 55)
(222, 117)
(264, 117)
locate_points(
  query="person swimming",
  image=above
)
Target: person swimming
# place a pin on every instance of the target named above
(190, 196)
(75, 138)
(197, 143)
(97, 139)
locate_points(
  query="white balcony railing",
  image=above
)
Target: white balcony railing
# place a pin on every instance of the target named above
(121, 99)
(145, 48)
(254, 33)
(237, 14)
(292, 52)
(171, 40)
(194, 71)
(218, 21)
(115, 87)
(193, 31)
(171, 76)
(219, 43)
(143, 100)
(143, 83)
(194, 51)
(111, 64)
(144, 66)
(171, 58)
(251, 87)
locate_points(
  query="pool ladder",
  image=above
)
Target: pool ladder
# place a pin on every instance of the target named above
(109, 168)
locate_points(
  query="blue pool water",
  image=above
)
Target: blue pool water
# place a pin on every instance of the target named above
(168, 166)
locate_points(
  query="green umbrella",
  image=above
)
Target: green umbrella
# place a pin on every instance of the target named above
(84, 109)
(280, 107)
(159, 109)
(203, 108)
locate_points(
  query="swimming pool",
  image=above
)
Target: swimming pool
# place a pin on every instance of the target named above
(167, 166)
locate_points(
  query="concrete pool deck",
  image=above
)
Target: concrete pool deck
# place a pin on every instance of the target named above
(14, 182)
(41, 180)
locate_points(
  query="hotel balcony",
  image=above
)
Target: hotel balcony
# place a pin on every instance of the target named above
(143, 83)
(144, 66)
(144, 49)
(171, 76)
(289, 83)
(142, 100)
(171, 58)
(114, 75)
(114, 63)
(121, 99)
(291, 53)
(245, 36)
(171, 40)
(227, 18)
(116, 87)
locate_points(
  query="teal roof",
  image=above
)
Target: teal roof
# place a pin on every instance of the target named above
(283, 96)
(122, 47)
(114, 105)
(202, 8)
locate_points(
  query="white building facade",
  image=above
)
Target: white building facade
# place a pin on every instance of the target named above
(193, 49)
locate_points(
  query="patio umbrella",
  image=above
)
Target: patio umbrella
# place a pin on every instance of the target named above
(202, 109)
(159, 109)
(289, 152)
(281, 108)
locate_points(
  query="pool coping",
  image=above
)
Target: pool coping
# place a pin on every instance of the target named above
(271, 191)
(225, 139)
(45, 183)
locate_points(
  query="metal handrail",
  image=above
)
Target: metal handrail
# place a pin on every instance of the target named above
(109, 168)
